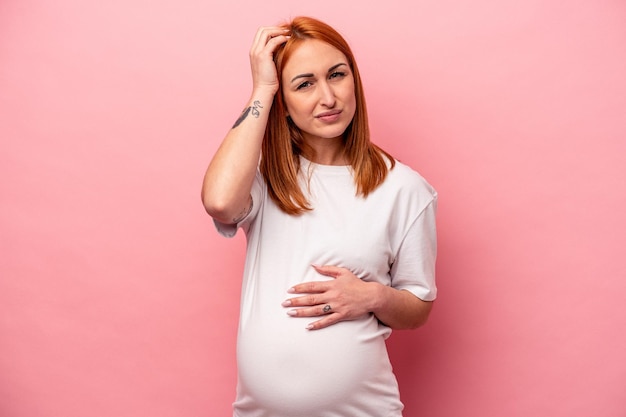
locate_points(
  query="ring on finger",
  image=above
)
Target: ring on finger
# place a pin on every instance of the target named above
(327, 308)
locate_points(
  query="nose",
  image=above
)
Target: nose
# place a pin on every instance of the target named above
(327, 95)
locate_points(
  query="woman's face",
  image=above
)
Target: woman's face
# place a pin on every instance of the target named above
(318, 89)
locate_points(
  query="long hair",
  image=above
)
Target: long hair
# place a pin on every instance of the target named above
(283, 141)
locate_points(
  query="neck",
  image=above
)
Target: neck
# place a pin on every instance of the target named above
(327, 152)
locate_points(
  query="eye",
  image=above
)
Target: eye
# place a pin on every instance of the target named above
(337, 74)
(303, 85)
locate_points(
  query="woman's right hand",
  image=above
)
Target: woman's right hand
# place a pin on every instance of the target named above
(230, 175)
(266, 41)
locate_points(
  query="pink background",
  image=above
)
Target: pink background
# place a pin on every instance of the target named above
(117, 297)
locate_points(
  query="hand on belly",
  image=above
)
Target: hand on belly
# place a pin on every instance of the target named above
(345, 297)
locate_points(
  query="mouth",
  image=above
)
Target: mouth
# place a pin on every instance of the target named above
(329, 115)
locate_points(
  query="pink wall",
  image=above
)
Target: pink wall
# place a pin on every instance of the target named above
(117, 297)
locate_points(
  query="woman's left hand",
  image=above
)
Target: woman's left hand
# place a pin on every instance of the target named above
(346, 297)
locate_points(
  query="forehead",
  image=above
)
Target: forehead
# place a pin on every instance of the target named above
(312, 56)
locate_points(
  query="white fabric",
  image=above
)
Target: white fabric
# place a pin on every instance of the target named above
(343, 370)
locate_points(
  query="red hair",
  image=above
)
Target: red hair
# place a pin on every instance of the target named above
(283, 142)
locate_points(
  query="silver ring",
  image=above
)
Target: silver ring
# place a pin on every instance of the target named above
(327, 308)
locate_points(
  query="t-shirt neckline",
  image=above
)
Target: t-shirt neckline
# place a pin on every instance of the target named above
(305, 164)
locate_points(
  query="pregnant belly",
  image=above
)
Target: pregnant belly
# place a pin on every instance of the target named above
(288, 370)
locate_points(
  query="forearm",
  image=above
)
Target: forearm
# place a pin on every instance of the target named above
(228, 179)
(399, 309)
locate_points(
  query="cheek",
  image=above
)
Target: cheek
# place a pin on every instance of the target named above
(295, 106)
(349, 94)
(351, 99)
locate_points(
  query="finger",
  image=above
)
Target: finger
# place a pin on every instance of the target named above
(306, 301)
(313, 287)
(315, 311)
(329, 270)
(264, 50)
(264, 31)
(274, 42)
(265, 34)
(322, 323)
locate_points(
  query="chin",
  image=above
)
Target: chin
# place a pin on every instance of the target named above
(330, 133)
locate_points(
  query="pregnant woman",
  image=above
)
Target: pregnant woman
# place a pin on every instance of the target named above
(341, 239)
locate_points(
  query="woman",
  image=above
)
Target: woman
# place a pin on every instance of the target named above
(341, 238)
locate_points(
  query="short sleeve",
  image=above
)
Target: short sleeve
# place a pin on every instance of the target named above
(413, 268)
(257, 193)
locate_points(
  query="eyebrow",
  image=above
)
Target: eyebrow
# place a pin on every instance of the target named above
(309, 75)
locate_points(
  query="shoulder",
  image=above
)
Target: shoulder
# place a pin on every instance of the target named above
(404, 178)
(407, 195)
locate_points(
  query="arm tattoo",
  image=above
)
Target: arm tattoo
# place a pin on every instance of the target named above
(255, 112)
(255, 108)
(242, 117)
(245, 211)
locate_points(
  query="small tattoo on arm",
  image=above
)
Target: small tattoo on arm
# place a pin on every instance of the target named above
(255, 112)
(242, 117)
(255, 108)
(244, 212)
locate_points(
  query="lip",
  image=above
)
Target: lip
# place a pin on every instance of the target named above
(329, 116)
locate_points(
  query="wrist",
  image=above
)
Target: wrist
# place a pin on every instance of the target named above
(377, 297)
(264, 93)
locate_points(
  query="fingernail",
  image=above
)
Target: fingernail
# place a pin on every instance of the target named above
(292, 312)
(291, 290)
(309, 327)
(286, 303)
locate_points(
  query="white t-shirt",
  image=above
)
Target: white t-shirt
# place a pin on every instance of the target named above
(343, 370)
